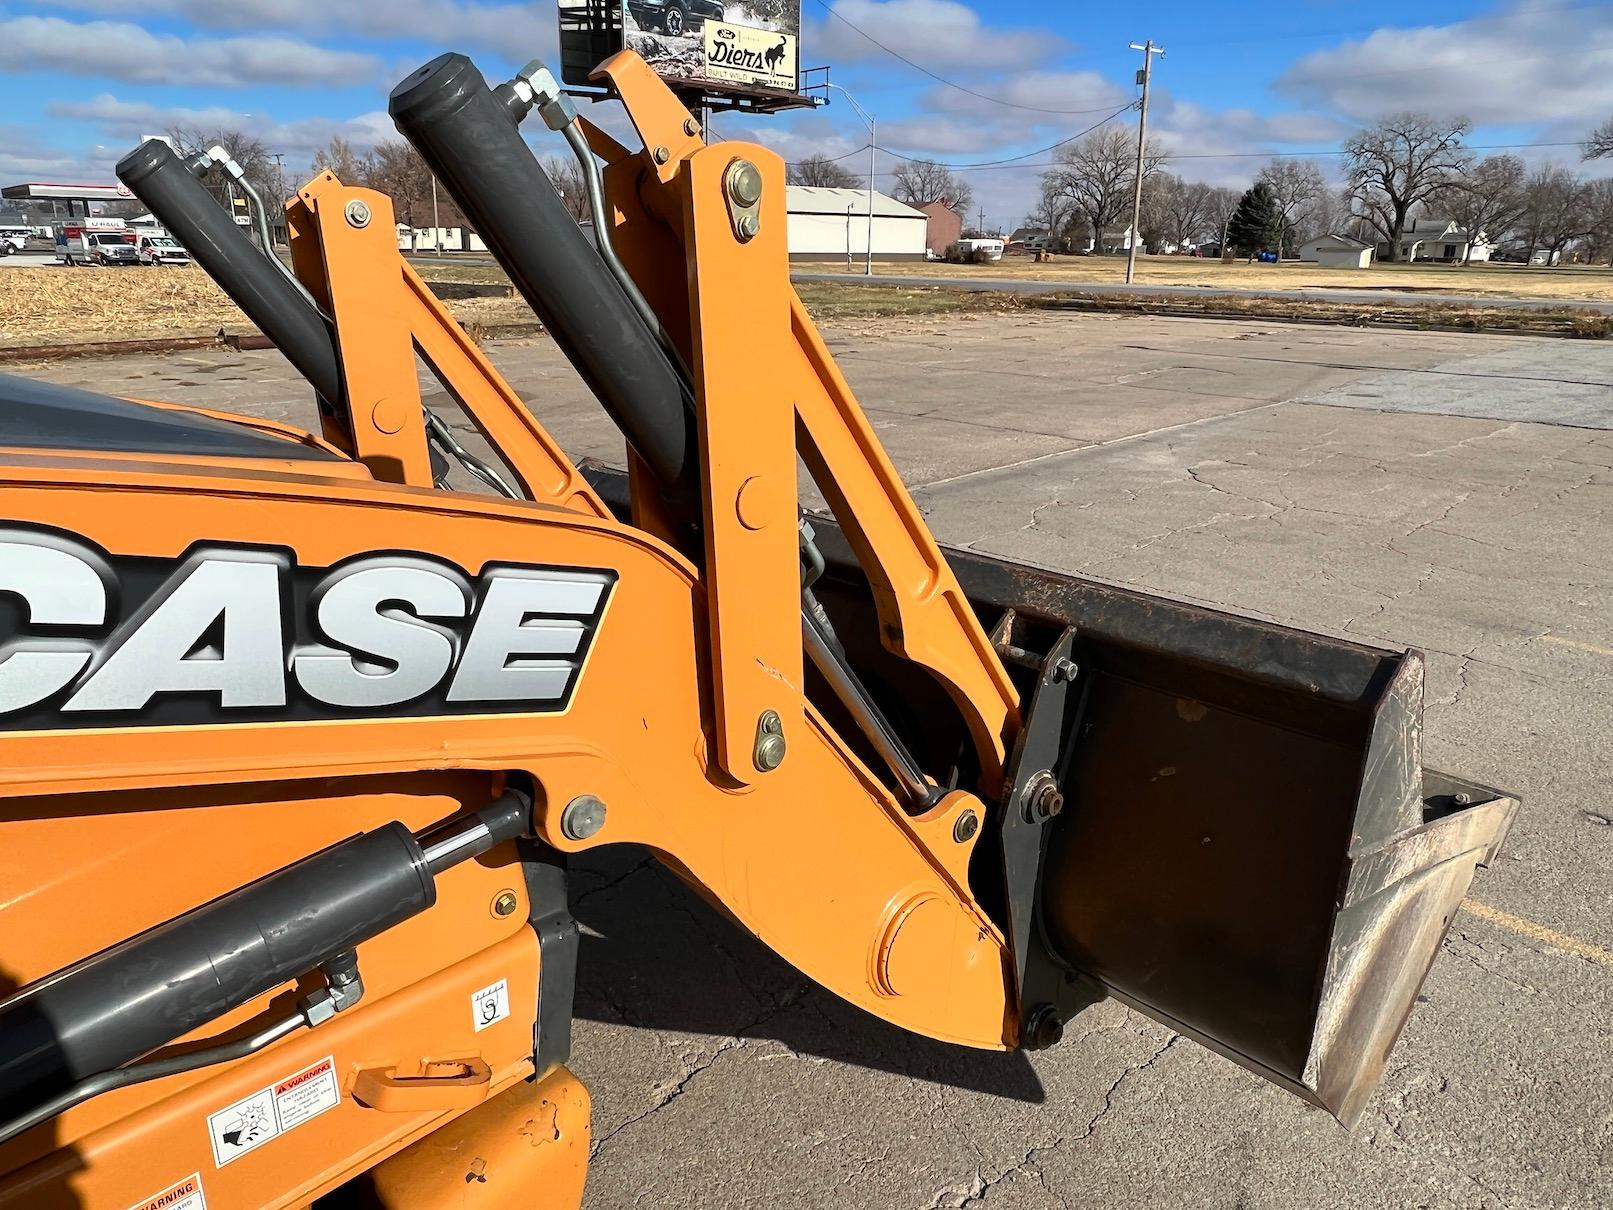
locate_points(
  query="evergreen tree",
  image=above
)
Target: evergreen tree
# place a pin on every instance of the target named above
(1257, 223)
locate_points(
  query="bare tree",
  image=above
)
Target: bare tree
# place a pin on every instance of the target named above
(1052, 212)
(1176, 211)
(1296, 185)
(566, 177)
(822, 172)
(1599, 212)
(400, 173)
(246, 150)
(338, 158)
(920, 182)
(1399, 164)
(1221, 205)
(1601, 141)
(1096, 174)
(1487, 200)
(1556, 211)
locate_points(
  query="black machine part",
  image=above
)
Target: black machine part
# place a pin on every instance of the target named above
(115, 1006)
(472, 142)
(163, 182)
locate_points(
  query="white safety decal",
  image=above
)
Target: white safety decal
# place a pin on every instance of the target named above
(490, 1004)
(254, 1120)
(181, 1195)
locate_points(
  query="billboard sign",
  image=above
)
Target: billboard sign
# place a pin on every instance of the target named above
(743, 46)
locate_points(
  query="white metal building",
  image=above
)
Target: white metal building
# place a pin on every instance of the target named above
(832, 224)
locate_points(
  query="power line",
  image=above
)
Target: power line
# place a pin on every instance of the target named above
(1167, 157)
(939, 79)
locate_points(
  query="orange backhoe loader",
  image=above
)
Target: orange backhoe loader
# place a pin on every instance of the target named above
(296, 739)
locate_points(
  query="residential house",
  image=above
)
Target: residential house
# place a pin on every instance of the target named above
(1440, 239)
(1337, 252)
(1113, 241)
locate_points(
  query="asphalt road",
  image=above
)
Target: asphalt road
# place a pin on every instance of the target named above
(1450, 492)
(1014, 285)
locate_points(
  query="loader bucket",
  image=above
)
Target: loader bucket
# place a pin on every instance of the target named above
(1251, 852)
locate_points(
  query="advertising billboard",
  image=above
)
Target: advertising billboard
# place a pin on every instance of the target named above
(745, 46)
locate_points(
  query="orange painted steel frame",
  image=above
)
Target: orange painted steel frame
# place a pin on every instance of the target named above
(107, 832)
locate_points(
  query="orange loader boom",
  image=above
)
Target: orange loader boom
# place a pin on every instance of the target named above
(295, 740)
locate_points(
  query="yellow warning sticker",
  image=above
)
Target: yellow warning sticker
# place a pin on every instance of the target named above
(182, 1195)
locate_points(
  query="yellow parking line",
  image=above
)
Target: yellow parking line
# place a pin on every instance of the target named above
(1587, 950)
(1591, 647)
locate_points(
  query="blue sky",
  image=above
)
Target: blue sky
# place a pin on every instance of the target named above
(82, 80)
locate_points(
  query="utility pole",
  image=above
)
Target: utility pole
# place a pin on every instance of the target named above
(873, 149)
(279, 159)
(1143, 77)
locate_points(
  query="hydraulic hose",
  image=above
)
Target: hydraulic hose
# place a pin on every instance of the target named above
(471, 141)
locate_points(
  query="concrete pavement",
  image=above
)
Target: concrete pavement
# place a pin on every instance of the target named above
(1451, 492)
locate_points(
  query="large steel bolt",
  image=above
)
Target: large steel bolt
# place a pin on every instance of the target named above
(583, 817)
(744, 183)
(770, 745)
(965, 828)
(358, 214)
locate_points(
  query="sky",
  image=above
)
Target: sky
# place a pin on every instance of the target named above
(81, 81)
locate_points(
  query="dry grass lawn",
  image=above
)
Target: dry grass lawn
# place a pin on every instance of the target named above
(59, 306)
(1589, 283)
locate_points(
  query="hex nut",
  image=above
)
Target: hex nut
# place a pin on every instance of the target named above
(358, 214)
(1043, 1029)
(582, 818)
(504, 903)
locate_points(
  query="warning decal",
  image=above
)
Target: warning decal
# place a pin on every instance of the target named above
(490, 1004)
(254, 1120)
(183, 1195)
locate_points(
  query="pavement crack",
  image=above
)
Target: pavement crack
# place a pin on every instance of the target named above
(974, 1191)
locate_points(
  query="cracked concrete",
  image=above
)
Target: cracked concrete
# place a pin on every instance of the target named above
(1449, 492)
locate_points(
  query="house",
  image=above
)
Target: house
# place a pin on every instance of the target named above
(1337, 252)
(1113, 241)
(833, 224)
(945, 226)
(1440, 239)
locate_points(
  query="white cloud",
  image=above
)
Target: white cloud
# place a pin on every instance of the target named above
(935, 33)
(521, 30)
(117, 50)
(1037, 96)
(123, 123)
(1536, 63)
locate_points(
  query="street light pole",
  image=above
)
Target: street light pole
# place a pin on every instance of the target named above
(873, 150)
(1143, 77)
(436, 225)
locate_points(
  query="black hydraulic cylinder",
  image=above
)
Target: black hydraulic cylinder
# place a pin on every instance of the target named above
(470, 139)
(160, 179)
(145, 992)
